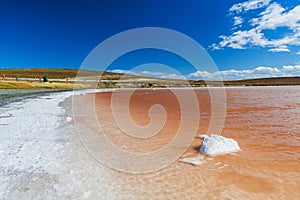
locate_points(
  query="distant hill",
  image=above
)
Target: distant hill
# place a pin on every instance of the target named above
(266, 81)
(50, 73)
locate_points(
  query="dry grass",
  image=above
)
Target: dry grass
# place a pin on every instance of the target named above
(14, 85)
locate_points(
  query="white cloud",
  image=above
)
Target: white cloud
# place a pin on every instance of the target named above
(121, 71)
(276, 16)
(237, 20)
(240, 39)
(215, 47)
(273, 17)
(259, 72)
(173, 76)
(142, 73)
(298, 53)
(199, 74)
(152, 73)
(155, 74)
(280, 49)
(291, 68)
(249, 5)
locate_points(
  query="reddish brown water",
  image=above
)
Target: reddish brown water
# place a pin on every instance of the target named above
(264, 120)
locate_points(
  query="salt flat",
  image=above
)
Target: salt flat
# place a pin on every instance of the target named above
(39, 152)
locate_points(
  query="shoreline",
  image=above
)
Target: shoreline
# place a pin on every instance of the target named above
(64, 86)
(30, 154)
(44, 159)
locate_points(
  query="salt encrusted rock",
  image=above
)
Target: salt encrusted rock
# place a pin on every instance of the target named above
(216, 144)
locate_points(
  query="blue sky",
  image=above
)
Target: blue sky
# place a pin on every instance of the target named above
(246, 39)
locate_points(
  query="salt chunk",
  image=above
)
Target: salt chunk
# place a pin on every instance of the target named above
(198, 160)
(216, 144)
(202, 136)
(68, 119)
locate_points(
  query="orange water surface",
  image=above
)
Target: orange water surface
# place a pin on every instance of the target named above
(265, 121)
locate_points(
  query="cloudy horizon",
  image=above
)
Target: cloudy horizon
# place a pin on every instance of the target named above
(258, 72)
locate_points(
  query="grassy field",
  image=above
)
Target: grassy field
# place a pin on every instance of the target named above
(65, 78)
(8, 84)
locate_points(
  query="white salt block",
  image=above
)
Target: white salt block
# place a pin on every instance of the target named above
(198, 160)
(216, 144)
